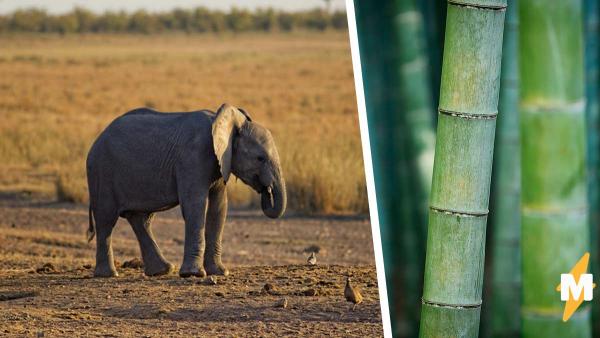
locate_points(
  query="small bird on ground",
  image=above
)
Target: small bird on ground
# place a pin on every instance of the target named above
(211, 280)
(283, 303)
(312, 259)
(352, 295)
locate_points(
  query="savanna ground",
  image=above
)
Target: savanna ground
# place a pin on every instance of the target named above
(57, 94)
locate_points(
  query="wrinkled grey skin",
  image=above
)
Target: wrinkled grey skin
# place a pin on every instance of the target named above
(146, 161)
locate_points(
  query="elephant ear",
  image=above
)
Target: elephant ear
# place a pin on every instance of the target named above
(227, 123)
(245, 114)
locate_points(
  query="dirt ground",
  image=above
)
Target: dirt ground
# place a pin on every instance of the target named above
(46, 287)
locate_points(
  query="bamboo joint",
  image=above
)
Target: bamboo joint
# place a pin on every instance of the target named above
(454, 306)
(478, 6)
(459, 213)
(468, 115)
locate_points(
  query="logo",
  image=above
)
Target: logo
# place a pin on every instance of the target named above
(576, 286)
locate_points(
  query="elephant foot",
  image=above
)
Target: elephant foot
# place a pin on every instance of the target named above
(191, 269)
(158, 269)
(105, 272)
(216, 269)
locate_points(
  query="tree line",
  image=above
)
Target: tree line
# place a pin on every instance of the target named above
(201, 20)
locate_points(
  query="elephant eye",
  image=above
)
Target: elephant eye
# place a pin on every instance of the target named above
(260, 159)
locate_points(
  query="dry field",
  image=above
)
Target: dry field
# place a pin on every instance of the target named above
(57, 94)
(46, 286)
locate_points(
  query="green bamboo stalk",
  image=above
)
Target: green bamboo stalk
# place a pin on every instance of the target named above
(434, 14)
(369, 26)
(506, 191)
(398, 108)
(462, 169)
(414, 97)
(374, 40)
(554, 233)
(591, 13)
(415, 141)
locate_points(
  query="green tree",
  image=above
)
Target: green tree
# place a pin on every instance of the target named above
(66, 23)
(339, 20)
(28, 20)
(184, 19)
(202, 20)
(142, 22)
(286, 21)
(86, 20)
(239, 20)
(315, 19)
(196, 20)
(112, 22)
(265, 20)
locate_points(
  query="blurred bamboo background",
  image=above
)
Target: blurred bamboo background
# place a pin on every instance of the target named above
(548, 111)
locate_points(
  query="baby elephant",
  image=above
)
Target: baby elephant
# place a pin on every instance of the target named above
(146, 161)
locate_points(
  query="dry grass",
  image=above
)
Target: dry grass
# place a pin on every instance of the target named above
(58, 93)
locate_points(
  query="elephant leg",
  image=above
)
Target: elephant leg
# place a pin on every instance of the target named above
(215, 220)
(105, 264)
(154, 262)
(194, 214)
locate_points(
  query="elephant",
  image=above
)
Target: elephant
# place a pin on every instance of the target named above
(147, 161)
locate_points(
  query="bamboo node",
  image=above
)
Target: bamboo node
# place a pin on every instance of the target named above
(454, 306)
(468, 115)
(553, 313)
(581, 211)
(459, 213)
(478, 6)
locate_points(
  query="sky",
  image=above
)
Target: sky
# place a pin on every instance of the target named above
(61, 6)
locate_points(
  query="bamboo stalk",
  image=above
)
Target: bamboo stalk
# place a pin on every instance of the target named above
(414, 98)
(369, 26)
(415, 140)
(374, 37)
(398, 108)
(591, 13)
(462, 169)
(434, 14)
(553, 169)
(506, 191)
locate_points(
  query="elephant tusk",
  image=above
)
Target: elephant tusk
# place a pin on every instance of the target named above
(270, 191)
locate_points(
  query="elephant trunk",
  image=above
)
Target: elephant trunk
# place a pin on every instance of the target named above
(273, 199)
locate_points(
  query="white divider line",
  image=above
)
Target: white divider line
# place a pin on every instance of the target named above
(366, 148)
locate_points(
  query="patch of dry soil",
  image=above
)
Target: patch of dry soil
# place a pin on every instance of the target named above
(46, 287)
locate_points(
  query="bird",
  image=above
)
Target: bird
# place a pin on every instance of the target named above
(352, 295)
(312, 259)
(211, 280)
(283, 303)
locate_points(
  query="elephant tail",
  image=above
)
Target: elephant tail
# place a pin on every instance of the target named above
(91, 232)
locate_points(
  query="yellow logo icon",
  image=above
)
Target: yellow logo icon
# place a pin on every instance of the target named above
(576, 286)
